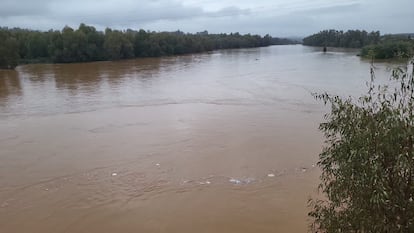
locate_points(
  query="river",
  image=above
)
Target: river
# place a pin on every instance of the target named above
(216, 142)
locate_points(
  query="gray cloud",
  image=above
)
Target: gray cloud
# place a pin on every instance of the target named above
(277, 17)
(15, 8)
(338, 9)
(111, 12)
(229, 11)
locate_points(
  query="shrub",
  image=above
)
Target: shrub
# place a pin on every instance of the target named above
(368, 161)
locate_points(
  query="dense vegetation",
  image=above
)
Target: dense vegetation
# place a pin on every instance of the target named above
(348, 39)
(373, 44)
(368, 161)
(9, 50)
(390, 47)
(88, 44)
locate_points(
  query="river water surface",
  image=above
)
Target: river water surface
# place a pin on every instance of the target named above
(219, 142)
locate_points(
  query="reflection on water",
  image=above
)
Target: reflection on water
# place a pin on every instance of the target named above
(9, 86)
(217, 142)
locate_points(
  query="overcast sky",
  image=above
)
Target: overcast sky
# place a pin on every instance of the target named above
(276, 17)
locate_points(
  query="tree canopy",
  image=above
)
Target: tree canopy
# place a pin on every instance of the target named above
(373, 44)
(87, 44)
(9, 55)
(348, 39)
(390, 47)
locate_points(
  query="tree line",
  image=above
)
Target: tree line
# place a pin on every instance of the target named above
(88, 44)
(348, 39)
(373, 44)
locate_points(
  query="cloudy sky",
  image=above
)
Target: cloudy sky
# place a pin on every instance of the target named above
(276, 17)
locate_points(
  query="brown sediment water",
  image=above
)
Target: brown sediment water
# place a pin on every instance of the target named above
(219, 142)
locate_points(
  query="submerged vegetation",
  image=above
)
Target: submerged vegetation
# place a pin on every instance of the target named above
(368, 161)
(373, 44)
(87, 44)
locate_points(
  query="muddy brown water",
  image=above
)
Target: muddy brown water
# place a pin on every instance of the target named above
(218, 142)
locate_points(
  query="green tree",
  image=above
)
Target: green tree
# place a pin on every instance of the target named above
(141, 43)
(37, 45)
(93, 47)
(87, 44)
(117, 45)
(70, 46)
(348, 39)
(9, 50)
(368, 161)
(389, 49)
